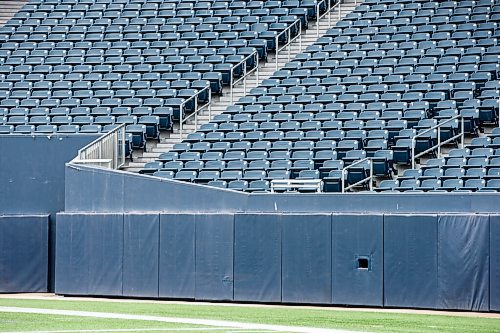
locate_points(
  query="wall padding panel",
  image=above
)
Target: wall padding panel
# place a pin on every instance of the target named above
(410, 261)
(23, 253)
(89, 254)
(177, 255)
(141, 254)
(357, 246)
(306, 258)
(257, 257)
(494, 260)
(463, 262)
(214, 256)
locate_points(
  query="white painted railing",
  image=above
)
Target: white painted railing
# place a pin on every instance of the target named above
(197, 109)
(368, 179)
(329, 9)
(290, 39)
(107, 151)
(289, 184)
(439, 142)
(246, 72)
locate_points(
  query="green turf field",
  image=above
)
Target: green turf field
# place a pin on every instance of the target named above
(16, 322)
(289, 316)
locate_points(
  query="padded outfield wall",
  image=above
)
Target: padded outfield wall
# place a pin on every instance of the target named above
(147, 237)
(436, 261)
(31, 193)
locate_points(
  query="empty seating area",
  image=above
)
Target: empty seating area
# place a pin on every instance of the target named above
(472, 169)
(76, 66)
(387, 72)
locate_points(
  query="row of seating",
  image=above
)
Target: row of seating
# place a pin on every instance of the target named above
(151, 9)
(366, 89)
(84, 66)
(446, 185)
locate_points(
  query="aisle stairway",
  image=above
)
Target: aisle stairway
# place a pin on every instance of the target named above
(9, 8)
(219, 104)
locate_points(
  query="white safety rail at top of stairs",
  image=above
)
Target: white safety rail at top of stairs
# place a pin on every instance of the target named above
(219, 104)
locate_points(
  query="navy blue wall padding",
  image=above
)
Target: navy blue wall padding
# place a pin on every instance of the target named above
(141, 254)
(32, 171)
(23, 253)
(177, 256)
(306, 258)
(463, 262)
(89, 254)
(257, 257)
(129, 192)
(410, 261)
(214, 256)
(494, 262)
(354, 238)
(70, 266)
(32, 178)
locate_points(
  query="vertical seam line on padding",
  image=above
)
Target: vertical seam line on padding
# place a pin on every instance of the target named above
(159, 251)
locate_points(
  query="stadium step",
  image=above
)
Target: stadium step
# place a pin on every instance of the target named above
(9, 8)
(219, 104)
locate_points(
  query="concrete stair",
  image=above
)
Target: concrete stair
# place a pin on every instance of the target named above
(220, 103)
(9, 8)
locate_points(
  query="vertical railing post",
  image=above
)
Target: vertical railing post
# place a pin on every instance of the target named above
(257, 70)
(196, 113)
(209, 103)
(123, 144)
(277, 50)
(300, 37)
(245, 78)
(317, 18)
(180, 120)
(462, 135)
(289, 47)
(413, 153)
(370, 186)
(114, 150)
(439, 142)
(342, 180)
(231, 84)
(329, 13)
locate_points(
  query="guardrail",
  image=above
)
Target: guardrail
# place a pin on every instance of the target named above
(288, 31)
(246, 73)
(196, 111)
(439, 143)
(107, 151)
(368, 179)
(329, 9)
(287, 184)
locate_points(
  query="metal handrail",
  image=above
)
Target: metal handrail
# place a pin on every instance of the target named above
(285, 184)
(369, 178)
(197, 109)
(289, 41)
(328, 11)
(439, 143)
(246, 73)
(107, 150)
